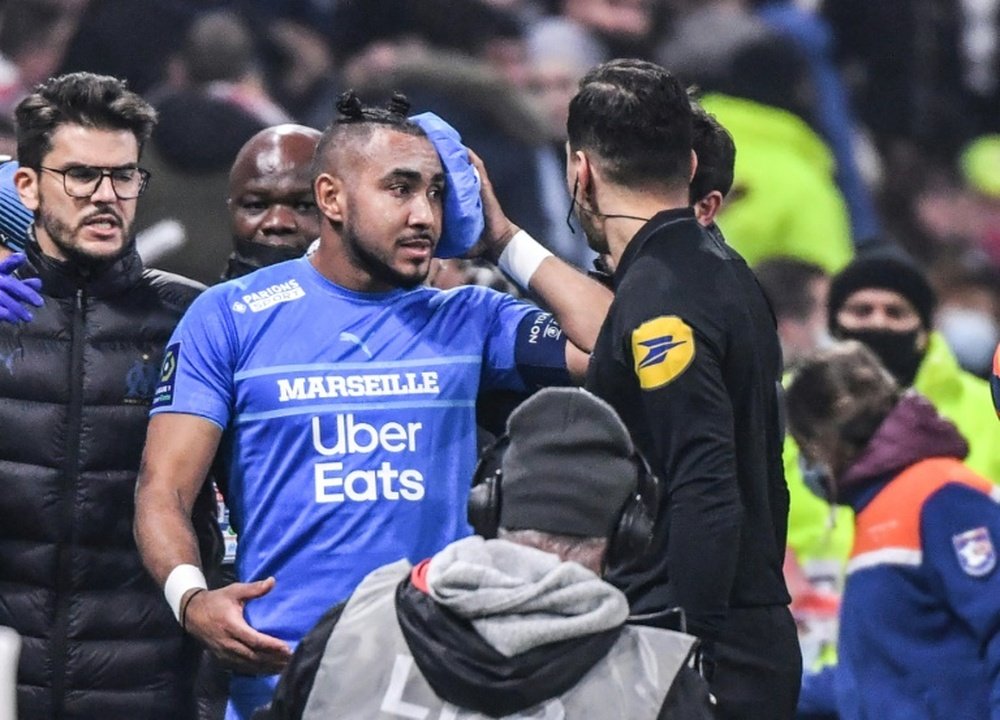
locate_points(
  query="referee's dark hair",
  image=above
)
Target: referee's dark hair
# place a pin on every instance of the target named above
(636, 118)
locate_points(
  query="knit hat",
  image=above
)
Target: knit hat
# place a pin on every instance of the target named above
(15, 218)
(569, 467)
(883, 270)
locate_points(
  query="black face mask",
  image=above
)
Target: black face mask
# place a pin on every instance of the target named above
(897, 351)
(262, 255)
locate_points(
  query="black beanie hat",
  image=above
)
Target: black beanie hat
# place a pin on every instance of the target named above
(883, 271)
(569, 467)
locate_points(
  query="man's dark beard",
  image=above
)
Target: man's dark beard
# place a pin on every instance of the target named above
(58, 231)
(372, 263)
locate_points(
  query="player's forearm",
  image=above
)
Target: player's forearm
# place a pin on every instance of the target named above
(163, 531)
(178, 453)
(578, 302)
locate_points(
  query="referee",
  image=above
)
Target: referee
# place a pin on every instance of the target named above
(690, 359)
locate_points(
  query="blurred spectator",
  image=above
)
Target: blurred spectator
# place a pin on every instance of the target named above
(34, 35)
(797, 292)
(703, 38)
(979, 163)
(918, 633)
(910, 83)
(132, 40)
(219, 57)
(627, 28)
(887, 303)
(833, 116)
(784, 201)
(212, 104)
(560, 52)
(968, 314)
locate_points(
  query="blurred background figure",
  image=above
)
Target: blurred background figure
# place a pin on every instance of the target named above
(968, 313)
(797, 291)
(560, 52)
(918, 635)
(211, 103)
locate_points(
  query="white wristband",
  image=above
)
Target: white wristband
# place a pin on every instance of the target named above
(181, 579)
(521, 258)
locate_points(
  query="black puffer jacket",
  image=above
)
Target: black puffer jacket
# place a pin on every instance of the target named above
(99, 640)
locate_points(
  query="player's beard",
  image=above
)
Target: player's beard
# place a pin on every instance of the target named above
(376, 261)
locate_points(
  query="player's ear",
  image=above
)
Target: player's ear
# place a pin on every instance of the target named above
(329, 192)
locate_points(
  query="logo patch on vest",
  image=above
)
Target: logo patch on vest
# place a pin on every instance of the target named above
(164, 394)
(975, 551)
(141, 381)
(663, 348)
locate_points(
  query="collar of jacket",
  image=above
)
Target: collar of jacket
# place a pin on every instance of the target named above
(62, 278)
(653, 225)
(912, 431)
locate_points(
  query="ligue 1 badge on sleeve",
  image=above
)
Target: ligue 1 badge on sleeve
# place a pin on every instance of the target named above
(164, 394)
(975, 551)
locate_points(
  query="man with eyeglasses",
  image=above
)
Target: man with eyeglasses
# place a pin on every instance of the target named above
(75, 388)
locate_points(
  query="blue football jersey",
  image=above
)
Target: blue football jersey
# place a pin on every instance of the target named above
(350, 420)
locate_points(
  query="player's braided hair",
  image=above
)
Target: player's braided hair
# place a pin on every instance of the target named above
(355, 122)
(353, 111)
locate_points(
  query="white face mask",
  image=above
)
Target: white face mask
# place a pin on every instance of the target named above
(972, 335)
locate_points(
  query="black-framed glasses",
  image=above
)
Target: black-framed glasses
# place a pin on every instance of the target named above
(82, 181)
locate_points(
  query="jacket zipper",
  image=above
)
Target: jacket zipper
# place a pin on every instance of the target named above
(67, 511)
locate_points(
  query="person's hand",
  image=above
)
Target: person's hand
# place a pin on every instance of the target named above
(216, 618)
(15, 293)
(499, 228)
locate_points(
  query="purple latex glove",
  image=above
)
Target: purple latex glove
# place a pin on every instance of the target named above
(15, 293)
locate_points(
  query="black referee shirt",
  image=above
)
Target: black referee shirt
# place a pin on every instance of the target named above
(690, 359)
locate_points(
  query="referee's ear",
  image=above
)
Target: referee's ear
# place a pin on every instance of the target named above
(694, 166)
(328, 190)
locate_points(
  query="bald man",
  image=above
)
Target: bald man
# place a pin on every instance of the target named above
(271, 207)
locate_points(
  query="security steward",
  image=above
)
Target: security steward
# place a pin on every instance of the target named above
(690, 359)
(516, 621)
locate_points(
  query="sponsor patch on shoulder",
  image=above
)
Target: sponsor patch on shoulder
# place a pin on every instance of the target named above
(974, 549)
(662, 348)
(164, 394)
(269, 297)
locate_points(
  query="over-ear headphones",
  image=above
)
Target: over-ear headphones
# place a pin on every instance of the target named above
(631, 535)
